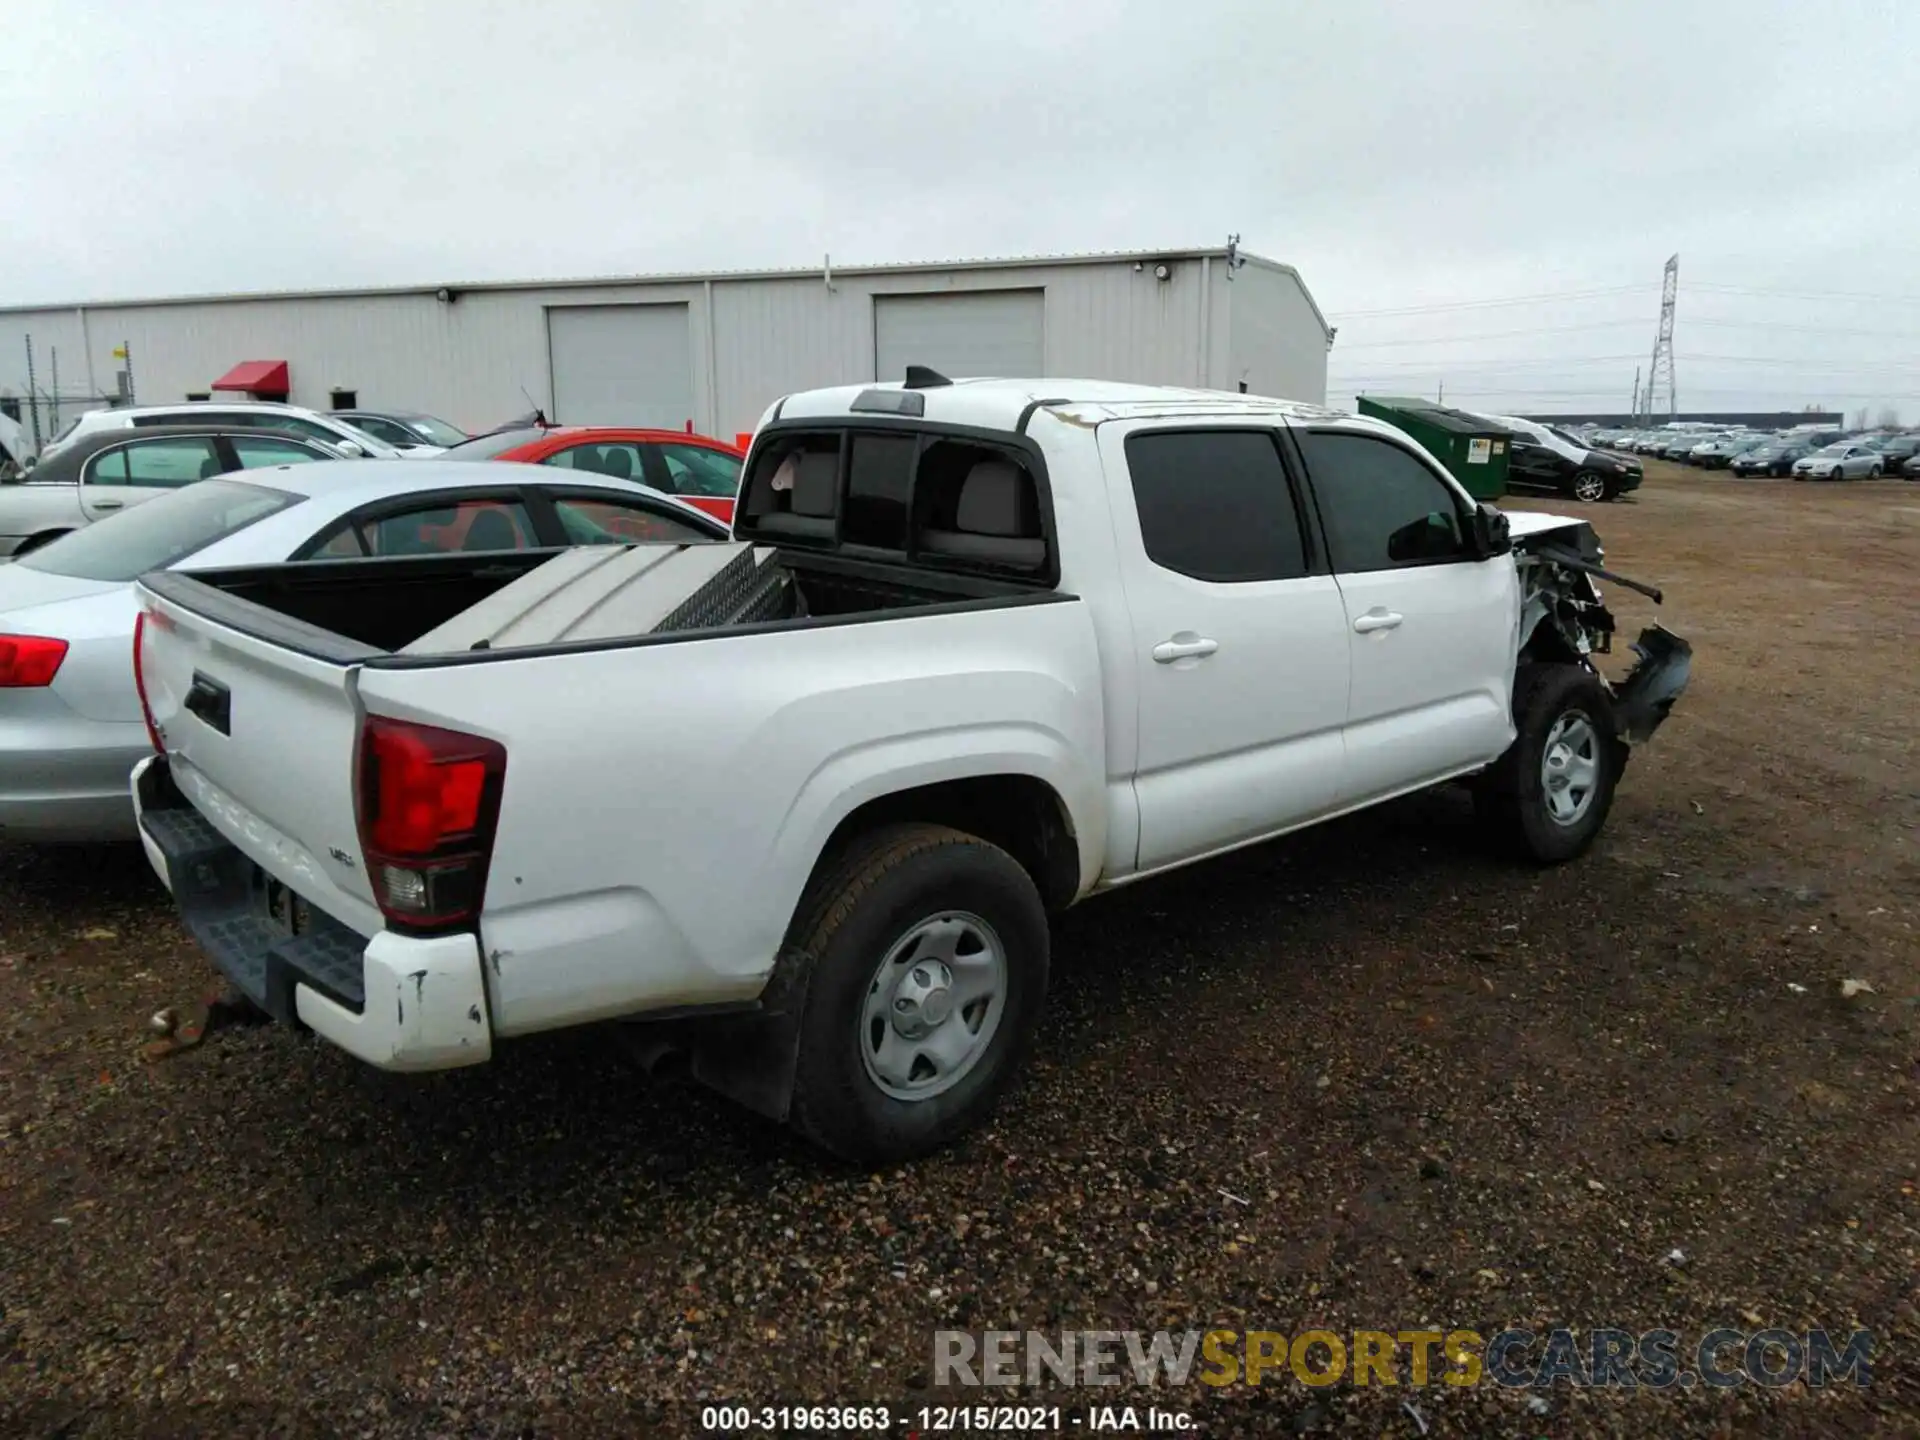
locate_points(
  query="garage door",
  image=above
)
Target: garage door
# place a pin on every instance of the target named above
(621, 365)
(985, 332)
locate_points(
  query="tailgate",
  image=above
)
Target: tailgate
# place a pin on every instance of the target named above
(261, 739)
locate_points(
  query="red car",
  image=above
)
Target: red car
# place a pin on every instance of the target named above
(704, 473)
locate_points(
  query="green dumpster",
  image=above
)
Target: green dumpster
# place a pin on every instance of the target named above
(1472, 447)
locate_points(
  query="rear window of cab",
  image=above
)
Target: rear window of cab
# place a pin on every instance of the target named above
(939, 499)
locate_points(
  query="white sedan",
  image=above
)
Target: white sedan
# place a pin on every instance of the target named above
(70, 722)
(1841, 462)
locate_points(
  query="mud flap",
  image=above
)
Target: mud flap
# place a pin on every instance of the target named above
(1644, 699)
(751, 1059)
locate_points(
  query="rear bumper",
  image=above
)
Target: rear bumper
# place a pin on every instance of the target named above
(398, 1002)
(65, 779)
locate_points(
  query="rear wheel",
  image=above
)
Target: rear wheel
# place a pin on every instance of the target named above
(1548, 796)
(929, 954)
(1875, 472)
(1590, 487)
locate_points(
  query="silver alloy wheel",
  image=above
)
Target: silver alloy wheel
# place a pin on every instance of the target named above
(1589, 487)
(1570, 767)
(933, 1005)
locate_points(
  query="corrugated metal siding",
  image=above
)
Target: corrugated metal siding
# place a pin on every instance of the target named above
(478, 359)
(1277, 345)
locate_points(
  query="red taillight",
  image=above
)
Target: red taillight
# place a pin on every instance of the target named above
(428, 802)
(28, 662)
(140, 684)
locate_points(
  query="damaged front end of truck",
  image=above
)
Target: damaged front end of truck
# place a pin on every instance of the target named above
(1563, 616)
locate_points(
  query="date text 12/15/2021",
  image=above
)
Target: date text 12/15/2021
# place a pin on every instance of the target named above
(931, 1420)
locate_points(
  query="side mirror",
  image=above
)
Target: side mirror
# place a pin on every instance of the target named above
(1492, 534)
(351, 448)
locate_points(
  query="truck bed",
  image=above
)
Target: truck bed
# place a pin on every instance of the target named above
(419, 609)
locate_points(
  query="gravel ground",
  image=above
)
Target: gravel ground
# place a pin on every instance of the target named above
(1366, 1078)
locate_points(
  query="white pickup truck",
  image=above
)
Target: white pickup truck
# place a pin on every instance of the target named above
(981, 649)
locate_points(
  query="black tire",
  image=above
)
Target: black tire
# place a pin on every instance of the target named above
(1511, 798)
(1875, 473)
(1588, 480)
(881, 887)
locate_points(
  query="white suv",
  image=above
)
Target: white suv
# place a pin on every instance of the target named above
(284, 418)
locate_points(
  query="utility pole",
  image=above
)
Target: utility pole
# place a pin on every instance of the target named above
(124, 353)
(53, 400)
(1440, 395)
(1662, 366)
(1635, 412)
(33, 397)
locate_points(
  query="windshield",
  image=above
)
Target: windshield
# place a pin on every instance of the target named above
(434, 431)
(158, 532)
(485, 447)
(1573, 440)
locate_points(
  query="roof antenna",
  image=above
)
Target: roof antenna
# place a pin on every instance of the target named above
(539, 415)
(922, 377)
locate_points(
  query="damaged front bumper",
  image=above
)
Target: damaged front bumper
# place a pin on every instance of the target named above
(1559, 565)
(1645, 697)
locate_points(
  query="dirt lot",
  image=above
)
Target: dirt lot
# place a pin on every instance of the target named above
(1369, 1078)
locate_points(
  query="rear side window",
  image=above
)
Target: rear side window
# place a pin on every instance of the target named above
(148, 463)
(429, 529)
(1215, 505)
(1381, 507)
(163, 531)
(619, 460)
(258, 450)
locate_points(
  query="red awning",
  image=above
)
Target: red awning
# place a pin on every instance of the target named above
(256, 377)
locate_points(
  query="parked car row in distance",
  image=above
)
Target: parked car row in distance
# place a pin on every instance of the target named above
(1808, 452)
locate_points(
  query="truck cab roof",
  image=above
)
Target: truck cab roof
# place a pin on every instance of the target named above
(1009, 404)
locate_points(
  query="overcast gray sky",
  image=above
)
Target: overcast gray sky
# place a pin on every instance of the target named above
(1401, 155)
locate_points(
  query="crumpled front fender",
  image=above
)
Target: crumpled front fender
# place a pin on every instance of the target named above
(1645, 698)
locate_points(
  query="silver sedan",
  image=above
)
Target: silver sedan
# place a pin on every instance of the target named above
(71, 727)
(1841, 462)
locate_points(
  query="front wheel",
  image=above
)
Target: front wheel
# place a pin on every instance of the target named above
(1547, 798)
(1589, 487)
(929, 953)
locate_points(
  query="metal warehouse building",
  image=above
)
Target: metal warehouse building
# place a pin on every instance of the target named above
(709, 352)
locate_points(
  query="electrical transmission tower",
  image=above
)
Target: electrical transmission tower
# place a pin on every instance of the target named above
(1662, 368)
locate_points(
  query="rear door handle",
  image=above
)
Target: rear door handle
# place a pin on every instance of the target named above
(1168, 651)
(108, 504)
(1377, 618)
